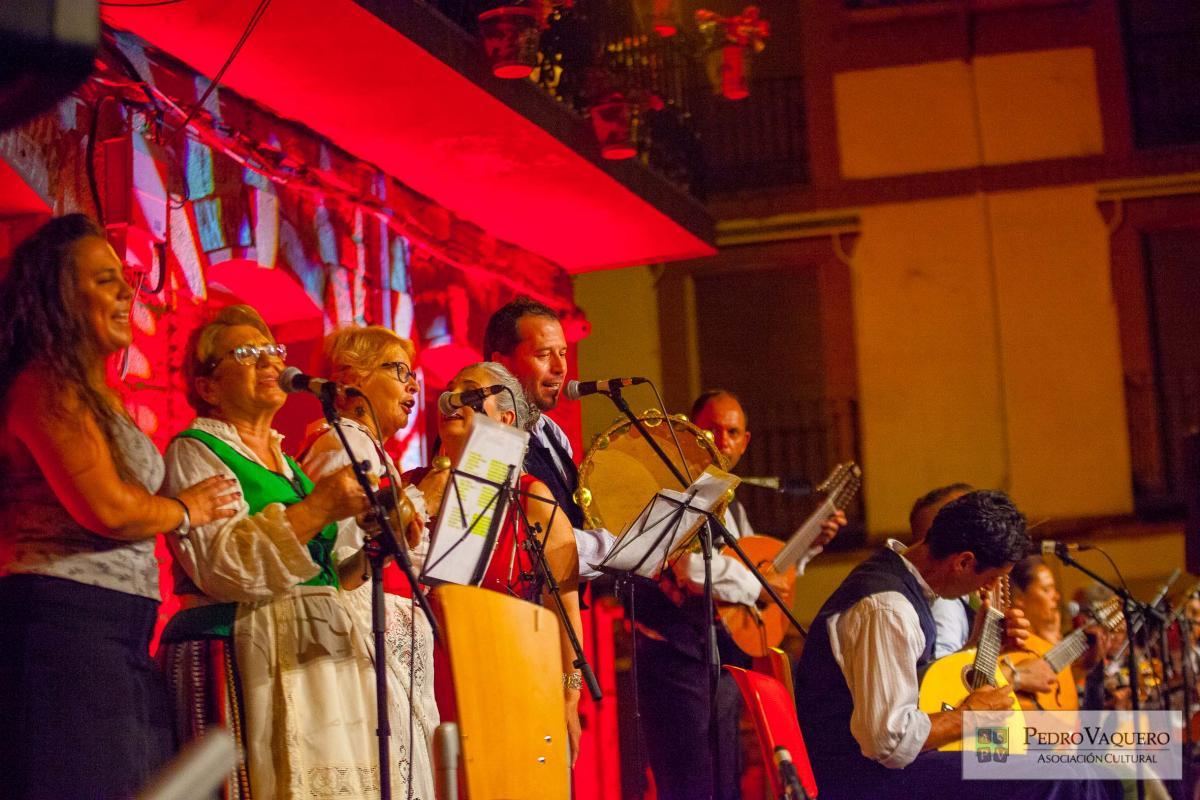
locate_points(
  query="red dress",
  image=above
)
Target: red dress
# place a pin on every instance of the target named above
(510, 570)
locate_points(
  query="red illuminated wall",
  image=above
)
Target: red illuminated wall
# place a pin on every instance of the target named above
(249, 207)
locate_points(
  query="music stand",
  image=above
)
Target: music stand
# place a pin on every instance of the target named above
(665, 529)
(473, 506)
(674, 520)
(462, 546)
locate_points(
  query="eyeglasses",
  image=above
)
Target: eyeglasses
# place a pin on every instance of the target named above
(404, 372)
(249, 354)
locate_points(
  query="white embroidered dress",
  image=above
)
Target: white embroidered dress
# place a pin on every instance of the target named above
(307, 681)
(408, 635)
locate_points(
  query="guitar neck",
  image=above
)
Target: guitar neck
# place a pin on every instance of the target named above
(987, 655)
(802, 539)
(1063, 654)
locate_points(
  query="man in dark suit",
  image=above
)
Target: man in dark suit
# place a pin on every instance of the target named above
(527, 337)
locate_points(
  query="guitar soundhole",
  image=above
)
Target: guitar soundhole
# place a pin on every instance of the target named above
(969, 677)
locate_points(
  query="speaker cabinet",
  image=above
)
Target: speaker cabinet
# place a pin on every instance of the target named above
(47, 48)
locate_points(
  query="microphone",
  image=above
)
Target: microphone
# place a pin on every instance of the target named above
(1053, 548)
(449, 401)
(446, 753)
(293, 380)
(578, 389)
(1166, 587)
(790, 486)
(793, 789)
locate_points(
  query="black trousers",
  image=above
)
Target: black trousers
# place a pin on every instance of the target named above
(83, 709)
(674, 702)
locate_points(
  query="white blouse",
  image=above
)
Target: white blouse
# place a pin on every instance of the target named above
(245, 558)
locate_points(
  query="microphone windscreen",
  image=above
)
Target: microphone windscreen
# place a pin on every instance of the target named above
(572, 390)
(287, 379)
(446, 404)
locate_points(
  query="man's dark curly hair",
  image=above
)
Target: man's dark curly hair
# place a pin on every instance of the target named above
(502, 335)
(985, 523)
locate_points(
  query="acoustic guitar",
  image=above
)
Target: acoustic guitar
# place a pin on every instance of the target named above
(949, 680)
(758, 628)
(1060, 657)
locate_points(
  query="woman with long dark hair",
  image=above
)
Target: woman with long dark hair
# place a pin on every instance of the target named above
(83, 711)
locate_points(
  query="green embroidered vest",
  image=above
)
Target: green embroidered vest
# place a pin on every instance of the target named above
(260, 487)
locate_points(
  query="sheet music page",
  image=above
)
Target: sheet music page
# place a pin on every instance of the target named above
(663, 531)
(459, 538)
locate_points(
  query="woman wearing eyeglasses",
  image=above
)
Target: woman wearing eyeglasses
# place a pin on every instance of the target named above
(510, 563)
(83, 710)
(263, 643)
(379, 365)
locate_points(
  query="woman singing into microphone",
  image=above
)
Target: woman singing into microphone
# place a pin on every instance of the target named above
(378, 363)
(510, 563)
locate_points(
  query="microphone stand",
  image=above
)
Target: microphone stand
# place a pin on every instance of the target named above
(377, 551)
(708, 539)
(1187, 643)
(537, 554)
(1129, 607)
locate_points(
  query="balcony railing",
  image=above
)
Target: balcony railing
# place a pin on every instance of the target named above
(701, 142)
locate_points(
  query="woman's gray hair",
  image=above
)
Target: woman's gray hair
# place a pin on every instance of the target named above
(526, 412)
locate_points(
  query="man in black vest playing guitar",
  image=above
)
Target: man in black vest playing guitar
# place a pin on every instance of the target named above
(856, 684)
(954, 616)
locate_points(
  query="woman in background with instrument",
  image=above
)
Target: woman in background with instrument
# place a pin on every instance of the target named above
(510, 567)
(1071, 657)
(1035, 592)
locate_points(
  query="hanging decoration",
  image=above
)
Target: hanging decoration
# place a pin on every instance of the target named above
(732, 43)
(618, 104)
(511, 34)
(615, 122)
(661, 16)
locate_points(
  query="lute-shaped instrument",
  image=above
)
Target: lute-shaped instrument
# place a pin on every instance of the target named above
(951, 678)
(1060, 657)
(756, 629)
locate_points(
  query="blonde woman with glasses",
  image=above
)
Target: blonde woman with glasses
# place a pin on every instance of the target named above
(379, 365)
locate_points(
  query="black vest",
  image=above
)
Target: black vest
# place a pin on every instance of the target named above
(823, 701)
(562, 482)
